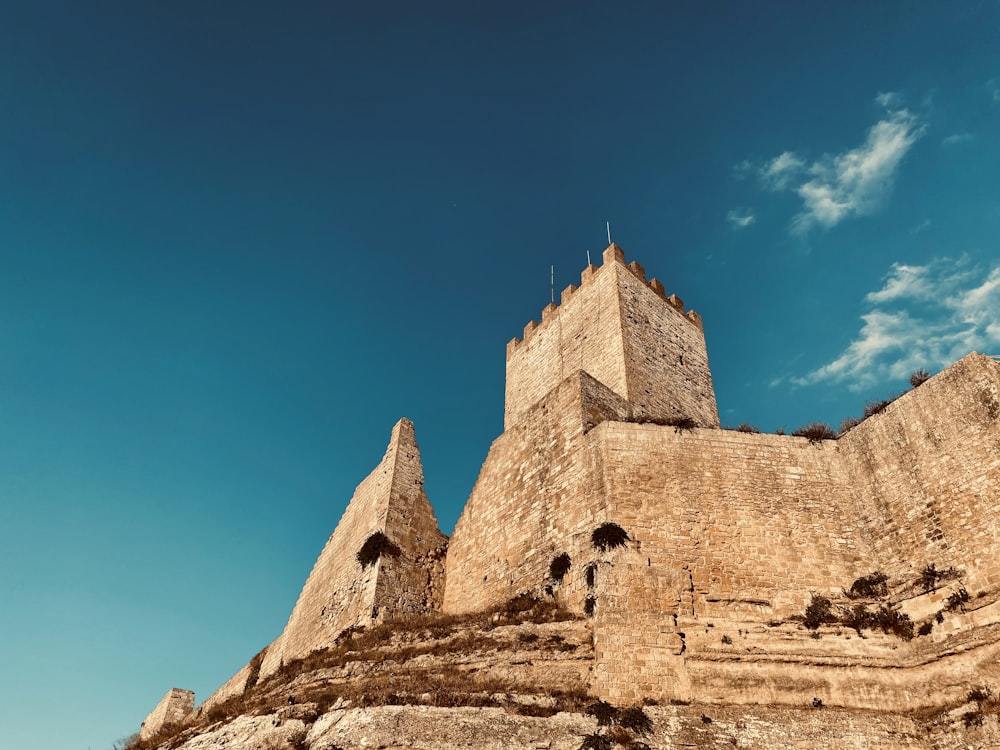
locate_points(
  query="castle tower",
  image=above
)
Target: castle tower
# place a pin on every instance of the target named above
(406, 578)
(625, 332)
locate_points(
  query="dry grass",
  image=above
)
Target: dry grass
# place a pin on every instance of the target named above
(378, 666)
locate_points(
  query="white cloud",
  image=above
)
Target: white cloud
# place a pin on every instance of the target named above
(778, 173)
(956, 138)
(889, 99)
(993, 85)
(923, 316)
(855, 182)
(740, 218)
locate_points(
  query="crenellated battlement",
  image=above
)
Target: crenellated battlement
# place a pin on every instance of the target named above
(626, 332)
(612, 254)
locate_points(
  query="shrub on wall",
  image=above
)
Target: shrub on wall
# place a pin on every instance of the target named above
(608, 536)
(559, 567)
(814, 432)
(957, 599)
(877, 407)
(375, 546)
(870, 587)
(919, 377)
(930, 576)
(819, 612)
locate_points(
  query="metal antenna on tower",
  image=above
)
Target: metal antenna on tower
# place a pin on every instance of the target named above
(588, 258)
(552, 284)
(609, 232)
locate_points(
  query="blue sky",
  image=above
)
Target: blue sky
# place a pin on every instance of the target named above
(238, 241)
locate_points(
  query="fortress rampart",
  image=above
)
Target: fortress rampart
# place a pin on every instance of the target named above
(610, 417)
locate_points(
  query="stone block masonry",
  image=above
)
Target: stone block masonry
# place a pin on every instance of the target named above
(339, 592)
(170, 711)
(927, 472)
(610, 417)
(624, 332)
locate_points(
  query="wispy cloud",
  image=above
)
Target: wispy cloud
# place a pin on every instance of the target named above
(956, 138)
(855, 182)
(993, 86)
(889, 99)
(740, 218)
(922, 316)
(782, 170)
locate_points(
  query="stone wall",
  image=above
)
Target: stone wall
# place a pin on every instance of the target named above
(624, 332)
(927, 472)
(537, 490)
(339, 593)
(171, 710)
(758, 521)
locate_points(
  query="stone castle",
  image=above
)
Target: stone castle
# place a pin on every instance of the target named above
(610, 419)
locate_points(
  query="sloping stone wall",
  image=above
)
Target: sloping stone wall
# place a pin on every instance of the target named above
(171, 710)
(927, 473)
(339, 593)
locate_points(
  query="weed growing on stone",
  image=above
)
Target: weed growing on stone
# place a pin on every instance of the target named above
(815, 432)
(957, 599)
(559, 567)
(375, 546)
(608, 536)
(818, 612)
(872, 586)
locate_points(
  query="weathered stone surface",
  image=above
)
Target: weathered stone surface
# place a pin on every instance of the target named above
(170, 711)
(269, 732)
(339, 592)
(673, 727)
(623, 332)
(729, 536)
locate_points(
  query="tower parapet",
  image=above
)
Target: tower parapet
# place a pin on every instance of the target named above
(626, 332)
